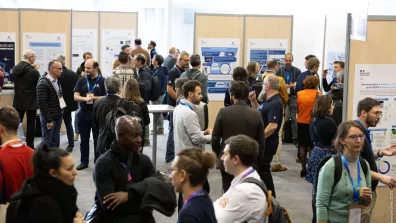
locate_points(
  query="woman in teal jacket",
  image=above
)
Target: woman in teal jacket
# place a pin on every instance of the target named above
(333, 201)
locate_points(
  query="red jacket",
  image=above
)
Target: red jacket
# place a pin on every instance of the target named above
(15, 167)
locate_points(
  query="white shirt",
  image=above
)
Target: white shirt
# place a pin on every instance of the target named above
(246, 202)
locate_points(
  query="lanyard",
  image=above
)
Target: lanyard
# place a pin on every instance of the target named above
(178, 70)
(58, 89)
(246, 174)
(195, 194)
(129, 172)
(355, 191)
(94, 86)
(261, 105)
(187, 105)
(367, 135)
(13, 142)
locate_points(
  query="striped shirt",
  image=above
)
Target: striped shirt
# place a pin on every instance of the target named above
(294, 72)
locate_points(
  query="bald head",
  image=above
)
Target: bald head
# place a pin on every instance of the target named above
(172, 50)
(129, 133)
(272, 64)
(91, 68)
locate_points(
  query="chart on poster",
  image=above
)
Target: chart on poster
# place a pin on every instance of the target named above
(112, 41)
(83, 40)
(377, 81)
(260, 50)
(46, 47)
(7, 52)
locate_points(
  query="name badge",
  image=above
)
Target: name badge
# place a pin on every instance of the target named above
(355, 214)
(288, 90)
(62, 103)
(90, 95)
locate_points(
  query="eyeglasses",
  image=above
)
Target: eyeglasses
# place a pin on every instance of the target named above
(355, 137)
(378, 113)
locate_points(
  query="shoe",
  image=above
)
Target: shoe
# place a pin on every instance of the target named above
(303, 173)
(159, 132)
(76, 136)
(69, 149)
(298, 160)
(278, 168)
(146, 142)
(82, 166)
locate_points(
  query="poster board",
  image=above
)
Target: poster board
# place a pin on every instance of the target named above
(215, 26)
(112, 29)
(376, 50)
(11, 26)
(47, 22)
(85, 36)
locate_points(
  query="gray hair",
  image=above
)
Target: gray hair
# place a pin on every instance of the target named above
(182, 54)
(312, 62)
(27, 54)
(273, 82)
(61, 59)
(112, 85)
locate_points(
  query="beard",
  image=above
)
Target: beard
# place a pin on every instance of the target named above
(196, 101)
(263, 95)
(371, 122)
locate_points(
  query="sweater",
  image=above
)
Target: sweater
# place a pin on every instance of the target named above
(15, 168)
(332, 204)
(198, 209)
(48, 101)
(186, 128)
(305, 103)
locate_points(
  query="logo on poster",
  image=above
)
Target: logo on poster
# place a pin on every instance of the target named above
(364, 73)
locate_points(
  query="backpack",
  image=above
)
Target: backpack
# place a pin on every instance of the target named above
(337, 176)
(275, 212)
(155, 88)
(114, 114)
(287, 132)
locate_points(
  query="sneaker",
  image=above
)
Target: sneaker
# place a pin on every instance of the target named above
(278, 168)
(76, 136)
(82, 166)
(69, 149)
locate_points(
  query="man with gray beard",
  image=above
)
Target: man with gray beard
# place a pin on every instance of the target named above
(271, 110)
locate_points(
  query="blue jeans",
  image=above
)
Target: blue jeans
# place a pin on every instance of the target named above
(85, 125)
(50, 137)
(170, 145)
(67, 118)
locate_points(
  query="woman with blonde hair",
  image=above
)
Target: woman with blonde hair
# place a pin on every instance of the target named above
(131, 92)
(252, 69)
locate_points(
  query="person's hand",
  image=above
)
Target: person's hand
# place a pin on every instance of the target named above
(88, 98)
(252, 96)
(111, 201)
(208, 132)
(50, 125)
(78, 218)
(83, 74)
(223, 202)
(388, 180)
(388, 151)
(365, 193)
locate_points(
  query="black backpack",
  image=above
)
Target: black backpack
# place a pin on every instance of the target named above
(275, 212)
(337, 176)
(155, 88)
(287, 132)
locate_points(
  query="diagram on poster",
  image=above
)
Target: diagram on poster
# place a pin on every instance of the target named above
(220, 55)
(83, 40)
(377, 81)
(112, 41)
(260, 50)
(7, 52)
(46, 47)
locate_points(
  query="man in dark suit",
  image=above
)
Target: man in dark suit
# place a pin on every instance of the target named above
(68, 80)
(227, 125)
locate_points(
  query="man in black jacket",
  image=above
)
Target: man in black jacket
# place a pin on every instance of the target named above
(51, 103)
(68, 80)
(120, 167)
(25, 95)
(226, 125)
(161, 73)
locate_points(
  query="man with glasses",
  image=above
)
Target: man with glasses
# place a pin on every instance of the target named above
(51, 104)
(369, 114)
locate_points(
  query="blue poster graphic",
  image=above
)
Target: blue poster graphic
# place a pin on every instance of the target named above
(262, 55)
(220, 60)
(7, 57)
(218, 86)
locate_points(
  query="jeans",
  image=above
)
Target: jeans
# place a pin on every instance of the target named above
(85, 124)
(160, 125)
(264, 166)
(31, 125)
(170, 145)
(67, 118)
(50, 137)
(165, 102)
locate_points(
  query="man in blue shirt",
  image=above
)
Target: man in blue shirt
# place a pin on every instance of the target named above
(313, 67)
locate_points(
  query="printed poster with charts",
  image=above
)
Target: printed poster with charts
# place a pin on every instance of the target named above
(260, 50)
(7, 51)
(83, 40)
(46, 46)
(378, 81)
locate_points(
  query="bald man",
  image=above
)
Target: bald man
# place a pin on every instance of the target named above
(170, 60)
(112, 194)
(87, 90)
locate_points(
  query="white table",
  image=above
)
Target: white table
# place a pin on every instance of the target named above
(157, 110)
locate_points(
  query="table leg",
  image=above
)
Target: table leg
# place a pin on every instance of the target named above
(154, 156)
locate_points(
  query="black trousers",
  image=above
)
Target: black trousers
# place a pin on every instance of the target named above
(264, 167)
(226, 179)
(180, 201)
(31, 125)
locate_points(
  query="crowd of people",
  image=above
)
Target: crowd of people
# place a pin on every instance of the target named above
(247, 139)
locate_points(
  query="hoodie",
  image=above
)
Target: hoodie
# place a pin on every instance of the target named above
(196, 74)
(25, 82)
(162, 74)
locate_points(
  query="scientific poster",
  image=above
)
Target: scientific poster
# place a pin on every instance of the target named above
(7, 52)
(260, 50)
(46, 47)
(83, 40)
(377, 81)
(217, 86)
(112, 41)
